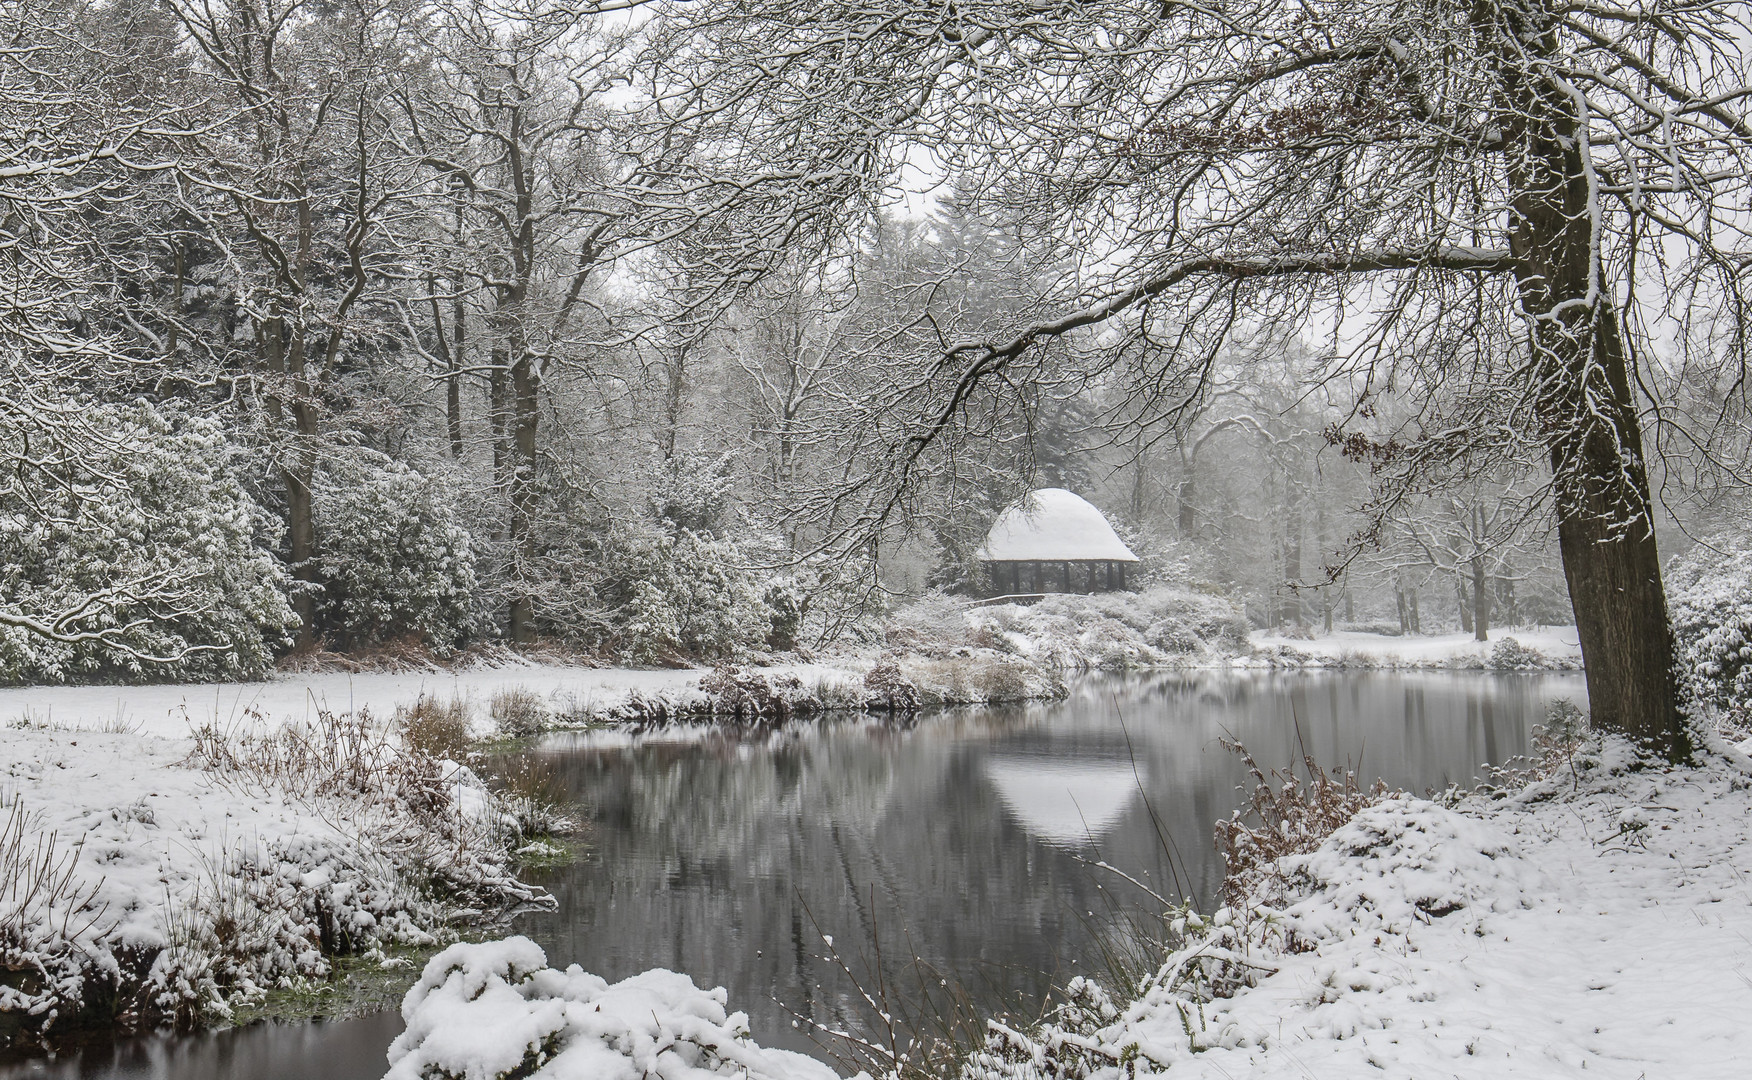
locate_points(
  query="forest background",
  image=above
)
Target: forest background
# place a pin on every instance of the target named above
(423, 327)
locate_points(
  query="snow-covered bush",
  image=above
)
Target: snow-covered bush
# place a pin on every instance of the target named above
(692, 492)
(787, 602)
(495, 1010)
(1167, 625)
(692, 596)
(1510, 655)
(146, 543)
(1709, 595)
(393, 559)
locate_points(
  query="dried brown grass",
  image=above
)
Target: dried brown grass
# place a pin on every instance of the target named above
(1284, 816)
(434, 727)
(518, 712)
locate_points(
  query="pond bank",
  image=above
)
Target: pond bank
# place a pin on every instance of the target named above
(148, 881)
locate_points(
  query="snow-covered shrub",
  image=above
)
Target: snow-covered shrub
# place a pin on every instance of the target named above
(518, 712)
(887, 688)
(1168, 624)
(1510, 655)
(393, 559)
(495, 1010)
(1709, 596)
(693, 491)
(434, 726)
(146, 544)
(692, 596)
(787, 604)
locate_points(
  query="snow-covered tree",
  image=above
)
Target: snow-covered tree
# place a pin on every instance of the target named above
(395, 561)
(140, 560)
(1560, 182)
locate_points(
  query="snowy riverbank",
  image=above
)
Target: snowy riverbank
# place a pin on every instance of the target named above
(1526, 648)
(561, 696)
(148, 879)
(1596, 923)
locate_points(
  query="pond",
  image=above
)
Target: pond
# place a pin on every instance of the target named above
(965, 842)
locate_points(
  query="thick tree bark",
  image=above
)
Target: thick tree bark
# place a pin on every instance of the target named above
(1606, 535)
(1585, 402)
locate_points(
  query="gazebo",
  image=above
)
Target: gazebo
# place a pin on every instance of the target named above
(1053, 540)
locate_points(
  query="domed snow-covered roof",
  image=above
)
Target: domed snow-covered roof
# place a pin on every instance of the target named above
(1053, 525)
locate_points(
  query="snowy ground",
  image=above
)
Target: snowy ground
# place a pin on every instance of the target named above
(1596, 924)
(174, 710)
(147, 877)
(1557, 644)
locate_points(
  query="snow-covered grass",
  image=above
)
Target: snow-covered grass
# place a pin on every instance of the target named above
(147, 879)
(1533, 648)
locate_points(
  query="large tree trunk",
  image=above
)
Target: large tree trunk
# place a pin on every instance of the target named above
(288, 379)
(1480, 601)
(1605, 522)
(523, 398)
(1606, 534)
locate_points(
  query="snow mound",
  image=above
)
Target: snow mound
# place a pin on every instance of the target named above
(1405, 860)
(493, 1010)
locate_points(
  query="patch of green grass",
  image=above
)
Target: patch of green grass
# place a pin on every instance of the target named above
(550, 852)
(357, 985)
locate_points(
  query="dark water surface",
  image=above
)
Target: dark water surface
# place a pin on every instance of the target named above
(965, 841)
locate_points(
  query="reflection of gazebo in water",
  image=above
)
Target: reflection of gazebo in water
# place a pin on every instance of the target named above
(1054, 541)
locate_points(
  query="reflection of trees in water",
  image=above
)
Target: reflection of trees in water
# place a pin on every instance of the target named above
(709, 851)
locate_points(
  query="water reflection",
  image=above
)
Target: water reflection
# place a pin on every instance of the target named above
(965, 840)
(968, 838)
(333, 1050)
